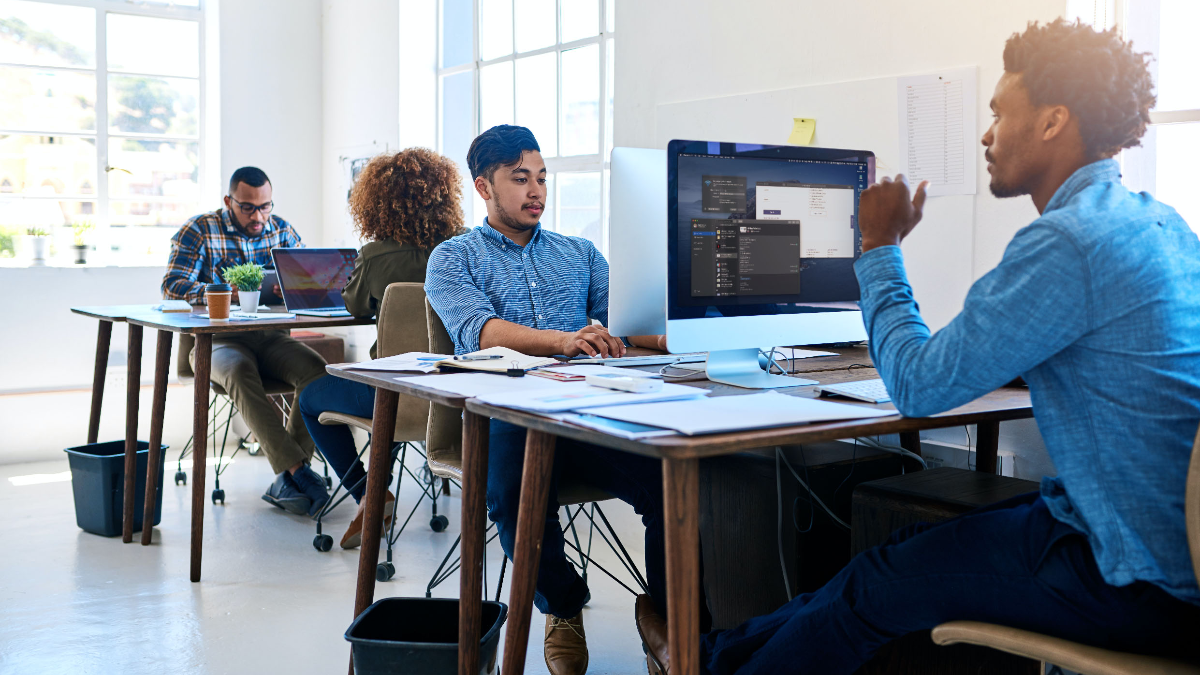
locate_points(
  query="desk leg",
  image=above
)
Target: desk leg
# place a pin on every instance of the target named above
(531, 524)
(911, 441)
(202, 367)
(133, 390)
(162, 361)
(474, 517)
(383, 429)
(103, 339)
(987, 447)
(681, 508)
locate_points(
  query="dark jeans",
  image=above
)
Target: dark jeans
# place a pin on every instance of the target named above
(1011, 564)
(335, 442)
(633, 479)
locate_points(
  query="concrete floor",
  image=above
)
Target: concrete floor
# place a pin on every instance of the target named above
(73, 602)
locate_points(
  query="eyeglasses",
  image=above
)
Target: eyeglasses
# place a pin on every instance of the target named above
(249, 209)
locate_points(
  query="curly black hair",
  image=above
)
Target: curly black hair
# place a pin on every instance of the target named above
(1095, 74)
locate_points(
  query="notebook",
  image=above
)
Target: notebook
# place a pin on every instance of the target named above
(509, 358)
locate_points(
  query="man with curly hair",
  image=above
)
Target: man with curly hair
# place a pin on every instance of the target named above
(404, 205)
(1096, 304)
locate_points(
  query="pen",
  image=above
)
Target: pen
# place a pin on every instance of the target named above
(478, 357)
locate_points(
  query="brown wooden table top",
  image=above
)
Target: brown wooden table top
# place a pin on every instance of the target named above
(851, 364)
(194, 324)
(115, 313)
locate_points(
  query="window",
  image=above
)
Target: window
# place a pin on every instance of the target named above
(1165, 161)
(101, 123)
(543, 64)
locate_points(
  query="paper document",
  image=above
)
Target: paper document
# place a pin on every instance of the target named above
(508, 359)
(737, 413)
(478, 384)
(616, 427)
(585, 370)
(803, 129)
(170, 306)
(243, 316)
(417, 362)
(938, 139)
(564, 396)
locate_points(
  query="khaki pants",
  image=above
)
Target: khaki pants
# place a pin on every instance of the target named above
(240, 362)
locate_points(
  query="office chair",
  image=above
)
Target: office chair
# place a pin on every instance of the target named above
(222, 406)
(1084, 659)
(401, 328)
(444, 452)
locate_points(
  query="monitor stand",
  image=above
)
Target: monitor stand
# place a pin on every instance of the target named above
(740, 367)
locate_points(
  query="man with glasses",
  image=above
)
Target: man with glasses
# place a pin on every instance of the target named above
(245, 231)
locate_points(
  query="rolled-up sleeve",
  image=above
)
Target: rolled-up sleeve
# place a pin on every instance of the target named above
(463, 307)
(1031, 306)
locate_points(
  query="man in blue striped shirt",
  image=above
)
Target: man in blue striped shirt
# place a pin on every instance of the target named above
(511, 283)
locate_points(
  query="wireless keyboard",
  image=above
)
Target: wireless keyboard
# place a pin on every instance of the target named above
(649, 360)
(871, 391)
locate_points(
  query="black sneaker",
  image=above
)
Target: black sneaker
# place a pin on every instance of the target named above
(285, 494)
(313, 487)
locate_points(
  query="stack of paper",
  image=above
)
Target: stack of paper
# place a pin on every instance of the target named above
(564, 396)
(417, 362)
(472, 385)
(508, 359)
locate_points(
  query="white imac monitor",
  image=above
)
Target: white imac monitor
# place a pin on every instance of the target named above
(637, 242)
(761, 245)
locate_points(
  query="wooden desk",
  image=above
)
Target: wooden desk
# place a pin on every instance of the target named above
(680, 457)
(203, 329)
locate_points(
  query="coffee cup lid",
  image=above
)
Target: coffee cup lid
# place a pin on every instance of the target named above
(218, 288)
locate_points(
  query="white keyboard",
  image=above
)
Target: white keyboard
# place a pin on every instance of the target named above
(649, 360)
(871, 391)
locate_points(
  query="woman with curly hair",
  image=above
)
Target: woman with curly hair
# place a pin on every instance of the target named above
(404, 205)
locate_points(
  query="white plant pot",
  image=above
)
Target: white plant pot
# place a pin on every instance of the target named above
(40, 247)
(249, 301)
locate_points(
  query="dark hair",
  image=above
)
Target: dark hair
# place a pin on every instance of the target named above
(411, 197)
(250, 175)
(498, 146)
(1095, 74)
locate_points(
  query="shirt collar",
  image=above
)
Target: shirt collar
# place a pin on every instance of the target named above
(230, 226)
(1103, 171)
(494, 234)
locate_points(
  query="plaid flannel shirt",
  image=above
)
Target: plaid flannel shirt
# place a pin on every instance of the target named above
(211, 242)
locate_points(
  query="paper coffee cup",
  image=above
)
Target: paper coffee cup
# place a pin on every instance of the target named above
(218, 296)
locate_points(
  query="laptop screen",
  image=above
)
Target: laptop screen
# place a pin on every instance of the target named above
(313, 278)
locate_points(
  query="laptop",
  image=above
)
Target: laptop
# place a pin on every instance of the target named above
(312, 279)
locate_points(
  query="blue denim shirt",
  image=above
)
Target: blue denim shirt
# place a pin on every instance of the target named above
(554, 282)
(1096, 304)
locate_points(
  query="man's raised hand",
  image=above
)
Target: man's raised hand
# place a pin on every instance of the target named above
(886, 214)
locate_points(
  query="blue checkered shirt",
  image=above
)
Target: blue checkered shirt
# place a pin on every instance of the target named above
(554, 282)
(210, 242)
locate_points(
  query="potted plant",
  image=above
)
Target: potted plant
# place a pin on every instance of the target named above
(39, 242)
(80, 230)
(247, 279)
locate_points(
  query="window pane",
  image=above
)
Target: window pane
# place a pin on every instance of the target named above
(143, 44)
(40, 34)
(18, 216)
(610, 11)
(47, 100)
(458, 125)
(579, 205)
(535, 24)
(457, 34)
(581, 101)
(144, 214)
(537, 93)
(153, 168)
(608, 103)
(1177, 148)
(580, 19)
(149, 244)
(1178, 54)
(495, 29)
(495, 95)
(47, 165)
(548, 220)
(153, 105)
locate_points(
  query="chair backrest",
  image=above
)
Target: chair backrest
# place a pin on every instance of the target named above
(402, 328)
(1191, 507)
(183, 361)
(443, 437)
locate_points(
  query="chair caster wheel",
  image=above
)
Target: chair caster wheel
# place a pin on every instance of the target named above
(323, 542)
(218, 496)
(180, 478)
(439, 523)
(251, 447)
(384, 571)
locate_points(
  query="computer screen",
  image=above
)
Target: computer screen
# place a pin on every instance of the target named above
(313, 278)
(757, 229)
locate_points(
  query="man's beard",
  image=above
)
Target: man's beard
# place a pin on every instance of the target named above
(510, 222)
(1003, 191)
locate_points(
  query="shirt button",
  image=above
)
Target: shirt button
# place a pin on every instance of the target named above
(539, 317)
(533, 285)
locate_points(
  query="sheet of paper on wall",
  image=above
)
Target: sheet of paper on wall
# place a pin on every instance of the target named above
(803, 129)
(938, 139)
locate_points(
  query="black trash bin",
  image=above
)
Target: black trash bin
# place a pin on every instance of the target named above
(419, 636)
(98, 481)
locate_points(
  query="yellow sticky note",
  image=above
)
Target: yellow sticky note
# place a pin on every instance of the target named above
(803, 129)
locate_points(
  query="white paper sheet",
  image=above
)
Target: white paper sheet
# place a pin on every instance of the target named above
(616, 427)
(586, 370)
(417, 362)
(938, 139)
(478, 384)
(564, 396)
(736, 413)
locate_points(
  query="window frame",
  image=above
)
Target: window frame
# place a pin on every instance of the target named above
(597, 162)
(103, 215)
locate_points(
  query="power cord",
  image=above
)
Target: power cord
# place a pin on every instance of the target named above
(779, 457)
(871, 443)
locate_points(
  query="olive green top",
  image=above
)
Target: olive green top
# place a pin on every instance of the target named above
(378, 264)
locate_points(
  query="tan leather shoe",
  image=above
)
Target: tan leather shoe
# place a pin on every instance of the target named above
(653, 630)
(566, 645)
(353, 536)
